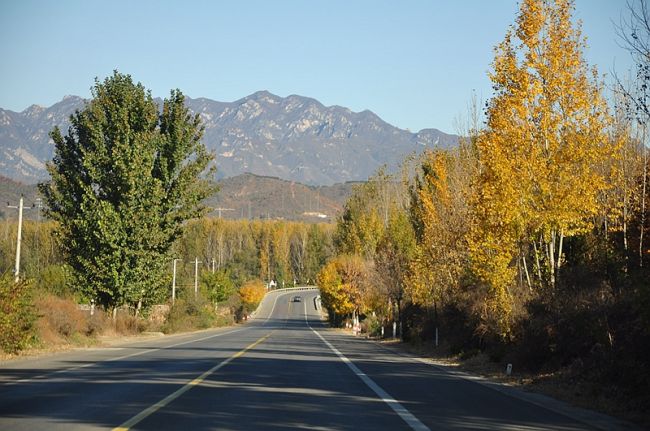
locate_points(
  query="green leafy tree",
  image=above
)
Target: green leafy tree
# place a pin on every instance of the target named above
(218, 286)
(319, 250)
(124, 179)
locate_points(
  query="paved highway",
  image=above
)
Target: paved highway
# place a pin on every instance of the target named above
(283, 370)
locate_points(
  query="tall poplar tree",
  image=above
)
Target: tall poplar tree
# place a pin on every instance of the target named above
(546, 137)
(123, 180)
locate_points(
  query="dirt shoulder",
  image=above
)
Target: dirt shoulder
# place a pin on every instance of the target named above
(75, 344)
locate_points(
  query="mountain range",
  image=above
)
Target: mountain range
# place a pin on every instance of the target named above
(294, 138)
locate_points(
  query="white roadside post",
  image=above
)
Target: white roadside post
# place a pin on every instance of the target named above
(19, 236)
(394, 329)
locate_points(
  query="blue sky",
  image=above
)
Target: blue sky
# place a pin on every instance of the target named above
(414, 63)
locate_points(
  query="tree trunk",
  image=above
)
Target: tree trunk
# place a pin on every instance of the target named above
(539, 266)
(643, 201)
(559, 254)
(530, 286)
(551, 258)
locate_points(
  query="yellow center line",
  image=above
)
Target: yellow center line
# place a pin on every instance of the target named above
(171, 397)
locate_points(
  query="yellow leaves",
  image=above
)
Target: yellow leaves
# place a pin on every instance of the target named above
(539, 156)
(530, 22)
(343, 284)
(333, 291)
(547, 126)
(440, 210)
(252, 293)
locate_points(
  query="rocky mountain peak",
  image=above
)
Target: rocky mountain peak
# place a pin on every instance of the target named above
(295, 138)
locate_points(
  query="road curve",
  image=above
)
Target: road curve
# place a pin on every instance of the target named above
(284, 369)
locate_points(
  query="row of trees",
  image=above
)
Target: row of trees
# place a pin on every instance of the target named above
(285, 252)
(531, 235)
(230, 253)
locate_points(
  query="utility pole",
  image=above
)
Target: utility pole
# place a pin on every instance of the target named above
(196, 276)
(174, 280)
(219, 209)
(19, 236)
(39, 205)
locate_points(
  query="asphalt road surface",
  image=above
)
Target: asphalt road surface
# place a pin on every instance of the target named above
(283, 370)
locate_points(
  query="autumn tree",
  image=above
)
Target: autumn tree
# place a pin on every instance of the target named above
(298, 251)
(123, 180)
(393, 257)
(251, 294)
(319, 249)
(365, 216)
(439, 213)
(280, 248)
(546, 133)
(343, 283)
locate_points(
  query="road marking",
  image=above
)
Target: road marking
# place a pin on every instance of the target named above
(407, 416)
(171, 397)
(272, 309)
(118, 358)
(131, 355)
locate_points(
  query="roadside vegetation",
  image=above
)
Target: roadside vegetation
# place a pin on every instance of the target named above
(47, 309)
(528, 243)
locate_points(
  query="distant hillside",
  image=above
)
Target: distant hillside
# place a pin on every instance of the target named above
(254, 196)
(295, 138)
(244, 196)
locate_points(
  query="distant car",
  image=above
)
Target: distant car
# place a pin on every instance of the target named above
(297, 299)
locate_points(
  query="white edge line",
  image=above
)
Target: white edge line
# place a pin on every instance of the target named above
(118, 358)
(575, 413)
(407, 416)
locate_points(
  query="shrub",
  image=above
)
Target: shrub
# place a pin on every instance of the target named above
(97, 323)
(17, 315)
(61, 316)
(189, 314)
(127, 324)
(371, 325)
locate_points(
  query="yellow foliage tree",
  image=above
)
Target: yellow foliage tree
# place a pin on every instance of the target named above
(439, 213)
(343, 283)
(546, 133)
(251, 294)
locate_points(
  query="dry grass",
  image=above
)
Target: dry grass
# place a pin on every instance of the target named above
(61, 325)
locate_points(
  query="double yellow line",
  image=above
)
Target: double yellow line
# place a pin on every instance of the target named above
(171, 397)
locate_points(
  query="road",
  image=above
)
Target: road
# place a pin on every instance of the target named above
(283, 370)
